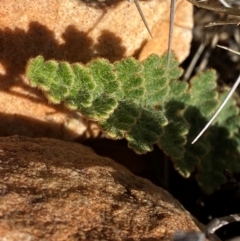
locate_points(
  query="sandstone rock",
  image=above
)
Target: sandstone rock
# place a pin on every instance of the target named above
(26, 112)
(80, 30)
(72, 30)
(55, 190)
(182, 34)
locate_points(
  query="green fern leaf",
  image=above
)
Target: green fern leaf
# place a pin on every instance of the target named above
(147, 105)
(116, 95)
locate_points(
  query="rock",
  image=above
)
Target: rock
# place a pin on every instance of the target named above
(26, 112)
(55, 190)
(182, 34)
(75, 31)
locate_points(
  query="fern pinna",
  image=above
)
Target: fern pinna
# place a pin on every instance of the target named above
(147, 104)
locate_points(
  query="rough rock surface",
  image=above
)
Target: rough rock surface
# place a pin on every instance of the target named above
(54, 190)
(76, 31)
(182, 34)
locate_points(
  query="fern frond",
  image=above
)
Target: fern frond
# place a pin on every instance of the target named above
(146, 104)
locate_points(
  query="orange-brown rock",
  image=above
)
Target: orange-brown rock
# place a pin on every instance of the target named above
(54, 190)
(73, 30)
(182, 34)
(80, 30)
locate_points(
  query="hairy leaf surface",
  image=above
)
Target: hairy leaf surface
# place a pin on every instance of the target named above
(147, 105)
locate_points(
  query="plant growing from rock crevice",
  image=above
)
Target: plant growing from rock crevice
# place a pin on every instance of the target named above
(147, 104)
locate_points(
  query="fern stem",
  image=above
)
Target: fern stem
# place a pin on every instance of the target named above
(142, 16)
(170, 34)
